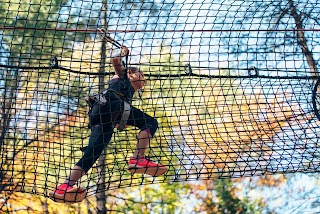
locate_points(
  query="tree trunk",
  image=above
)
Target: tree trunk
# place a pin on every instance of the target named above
(302, 41)
(101, 186)
(45, 206)
(8, 99)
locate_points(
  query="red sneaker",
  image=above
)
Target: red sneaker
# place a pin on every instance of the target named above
(65, 193)
(62, 189)
(146, 166)
(142, 163)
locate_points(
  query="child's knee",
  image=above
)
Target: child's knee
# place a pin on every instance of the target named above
(151, 127)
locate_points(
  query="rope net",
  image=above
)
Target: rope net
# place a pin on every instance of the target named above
(233, 85)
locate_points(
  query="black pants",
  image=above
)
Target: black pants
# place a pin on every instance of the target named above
(103, 119)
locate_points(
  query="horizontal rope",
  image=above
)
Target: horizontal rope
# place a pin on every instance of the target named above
(167, 75)
(155, 31)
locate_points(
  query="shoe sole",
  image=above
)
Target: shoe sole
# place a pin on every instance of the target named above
(74, 195)
(153, 171)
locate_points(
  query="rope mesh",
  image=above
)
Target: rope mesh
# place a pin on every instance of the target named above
(234, 91)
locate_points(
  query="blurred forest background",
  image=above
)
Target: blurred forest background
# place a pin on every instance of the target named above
(44, 116)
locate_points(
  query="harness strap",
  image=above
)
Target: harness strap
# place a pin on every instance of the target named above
(125, 116)
(126, 108)
(99, 98)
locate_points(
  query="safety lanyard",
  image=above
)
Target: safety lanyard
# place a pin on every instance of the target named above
(104, 34)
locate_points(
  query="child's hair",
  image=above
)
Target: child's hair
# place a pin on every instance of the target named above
(134, 69)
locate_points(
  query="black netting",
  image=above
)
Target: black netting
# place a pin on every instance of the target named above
(233, 85)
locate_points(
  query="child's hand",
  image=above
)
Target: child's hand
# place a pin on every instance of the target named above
(124, 51)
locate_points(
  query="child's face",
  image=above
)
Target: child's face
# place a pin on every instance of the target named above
(137, 80)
